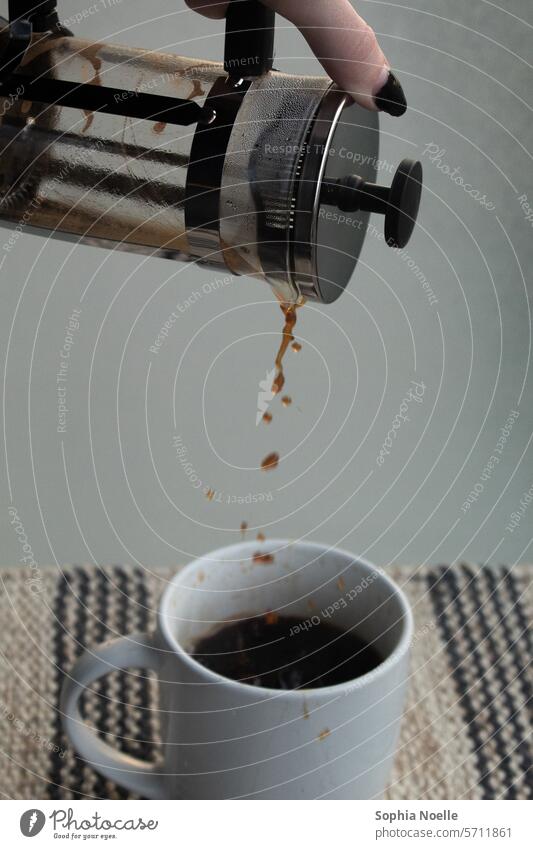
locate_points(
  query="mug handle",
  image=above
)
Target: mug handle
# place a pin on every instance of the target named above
(136, 650)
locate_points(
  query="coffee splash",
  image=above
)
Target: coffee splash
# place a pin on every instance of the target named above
(290, 314)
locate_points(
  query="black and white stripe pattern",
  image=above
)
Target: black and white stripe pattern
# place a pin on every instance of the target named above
(467, 726)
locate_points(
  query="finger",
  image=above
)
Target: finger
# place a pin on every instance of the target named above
(209, 8)
(345, 45)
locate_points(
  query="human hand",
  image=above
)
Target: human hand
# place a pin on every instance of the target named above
(343, 42)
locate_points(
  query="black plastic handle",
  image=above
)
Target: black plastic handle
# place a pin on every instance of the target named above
(399, 203)
(249, 45)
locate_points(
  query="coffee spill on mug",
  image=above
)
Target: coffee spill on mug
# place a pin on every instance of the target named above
(323, 734)
(260, 537)
(261, 557)
(244, 528)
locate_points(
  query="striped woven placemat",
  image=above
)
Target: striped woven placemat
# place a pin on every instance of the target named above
(466, 733)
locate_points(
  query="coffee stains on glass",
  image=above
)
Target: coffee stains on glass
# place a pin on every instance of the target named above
(91, 54)
(323, 734)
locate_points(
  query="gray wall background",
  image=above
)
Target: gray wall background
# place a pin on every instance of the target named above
(112, 488)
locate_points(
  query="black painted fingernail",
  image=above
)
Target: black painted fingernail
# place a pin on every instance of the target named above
(390, 98)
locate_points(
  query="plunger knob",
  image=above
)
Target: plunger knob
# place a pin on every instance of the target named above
(399, 203)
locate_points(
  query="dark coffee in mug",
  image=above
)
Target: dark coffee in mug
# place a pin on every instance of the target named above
(282, 653)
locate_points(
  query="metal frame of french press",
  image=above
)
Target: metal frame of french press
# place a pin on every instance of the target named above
(248, 47)
(249, 44)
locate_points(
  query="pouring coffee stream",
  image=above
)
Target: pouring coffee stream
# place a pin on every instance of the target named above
(232, 165)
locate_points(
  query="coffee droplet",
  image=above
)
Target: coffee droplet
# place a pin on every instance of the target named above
(244, 527)
(286, 401)
(210, 494)
(296, 347)
(323, 734)
(270, 462)
(260, 537)
(260, 557)
(159, 126)
(267, 417)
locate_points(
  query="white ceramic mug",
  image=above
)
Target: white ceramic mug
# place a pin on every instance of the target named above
(224, 739)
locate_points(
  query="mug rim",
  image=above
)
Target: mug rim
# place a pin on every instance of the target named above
(400, 650)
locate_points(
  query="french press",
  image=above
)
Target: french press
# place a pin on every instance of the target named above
(231, 164)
